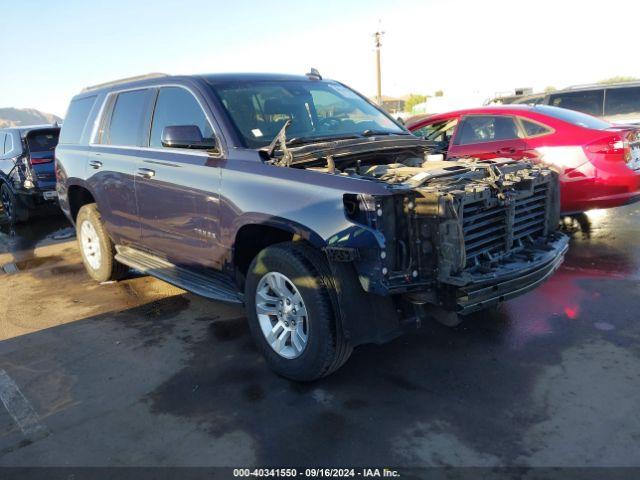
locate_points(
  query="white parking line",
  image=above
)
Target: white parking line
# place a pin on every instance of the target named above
(19, 407)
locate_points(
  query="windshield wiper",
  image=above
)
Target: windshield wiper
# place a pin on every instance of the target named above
(373, 133)
(324, 138)
(281, 139)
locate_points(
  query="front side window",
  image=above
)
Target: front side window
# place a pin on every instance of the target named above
(126, 120)
(318, 109)
(437, 131)
(486, 128)
(76, 119)
(589, 102)
(176, 106)
(622, 102)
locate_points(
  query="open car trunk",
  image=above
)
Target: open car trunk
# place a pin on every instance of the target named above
(40, 145)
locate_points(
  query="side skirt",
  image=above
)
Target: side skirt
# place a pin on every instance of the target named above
(211, 285)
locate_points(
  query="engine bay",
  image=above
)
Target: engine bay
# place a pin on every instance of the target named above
(409, 171)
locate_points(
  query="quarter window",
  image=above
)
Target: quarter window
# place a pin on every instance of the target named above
(176, 106)
(586, 102)
(76, 119)
(126, 120)
(534, 129)
(486, 128)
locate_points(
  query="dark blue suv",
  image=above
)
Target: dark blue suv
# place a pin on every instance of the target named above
(304, 201)
(27, 174)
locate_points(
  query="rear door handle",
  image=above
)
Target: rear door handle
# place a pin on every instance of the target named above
(96, 164)
(146, 173)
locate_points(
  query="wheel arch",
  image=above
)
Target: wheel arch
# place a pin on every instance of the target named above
(256, 233)
(77, 196)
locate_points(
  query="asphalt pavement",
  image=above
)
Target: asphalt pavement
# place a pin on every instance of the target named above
(141, 373)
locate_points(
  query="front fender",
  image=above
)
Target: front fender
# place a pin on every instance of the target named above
(282, 223)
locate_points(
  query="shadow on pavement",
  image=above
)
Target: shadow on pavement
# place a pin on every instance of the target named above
(22, 238)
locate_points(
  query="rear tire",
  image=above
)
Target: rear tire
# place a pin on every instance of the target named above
(304, 279)
(97, 249)
(15, 212)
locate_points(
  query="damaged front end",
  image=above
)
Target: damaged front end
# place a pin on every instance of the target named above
(459, 236)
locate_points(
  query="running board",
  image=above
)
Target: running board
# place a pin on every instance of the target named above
(214, 286)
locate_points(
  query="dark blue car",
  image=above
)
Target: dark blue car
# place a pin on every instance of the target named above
(27, 173)
(304, 201)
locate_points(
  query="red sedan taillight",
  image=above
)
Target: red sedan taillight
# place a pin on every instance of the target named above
(614, 148)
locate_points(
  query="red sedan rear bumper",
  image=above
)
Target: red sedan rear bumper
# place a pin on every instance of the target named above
(613, 187)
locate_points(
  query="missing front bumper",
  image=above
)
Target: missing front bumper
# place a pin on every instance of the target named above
(512, 276)
(506, 282)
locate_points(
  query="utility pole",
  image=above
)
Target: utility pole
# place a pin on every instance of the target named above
(378, 41)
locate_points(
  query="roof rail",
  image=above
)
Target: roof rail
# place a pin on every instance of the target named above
(584, 85)
(125, 80)
(602, 85)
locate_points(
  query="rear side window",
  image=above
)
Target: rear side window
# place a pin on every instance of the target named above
(127, 119)
(42, 142)
(589, 102)
(486, 128)
(2, 140)
(622, 101)
(176, 106)
(534, 129)
(76, 119)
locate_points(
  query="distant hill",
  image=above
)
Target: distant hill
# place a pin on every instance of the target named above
(14, 117)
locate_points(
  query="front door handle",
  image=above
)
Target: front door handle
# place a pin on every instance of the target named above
(146, 173)
(95, 164)
(507, 150)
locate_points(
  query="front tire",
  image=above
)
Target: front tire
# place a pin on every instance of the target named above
(290, 303)
(15, 212)
(97, 249)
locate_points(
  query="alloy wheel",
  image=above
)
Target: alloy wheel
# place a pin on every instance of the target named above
(282, 315)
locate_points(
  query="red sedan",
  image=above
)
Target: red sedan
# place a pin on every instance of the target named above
(598, 163)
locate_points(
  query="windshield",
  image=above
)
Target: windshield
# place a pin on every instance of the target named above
(317, 110)
(571, 116)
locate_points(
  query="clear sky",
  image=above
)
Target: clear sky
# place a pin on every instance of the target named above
(50, 50)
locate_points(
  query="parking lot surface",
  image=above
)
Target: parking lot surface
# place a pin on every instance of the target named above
(141, 373)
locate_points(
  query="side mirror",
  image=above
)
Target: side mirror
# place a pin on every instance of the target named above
(185, 136)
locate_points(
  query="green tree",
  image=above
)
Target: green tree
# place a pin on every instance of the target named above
(413, 100)
(618, 79)
(439, 93)
(550, 89)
